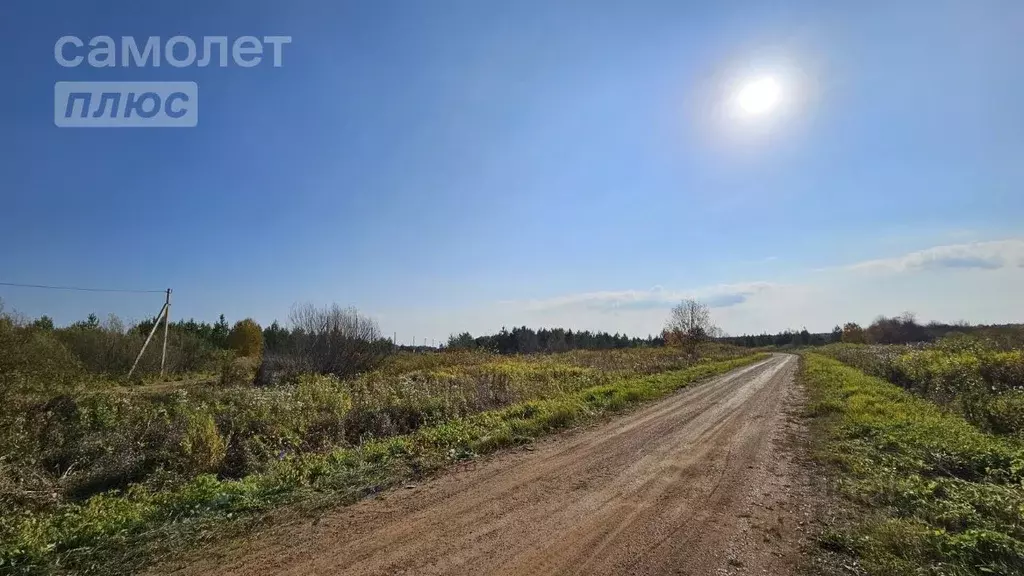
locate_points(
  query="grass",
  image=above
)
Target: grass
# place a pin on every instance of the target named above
(330, 443)
(975, 377)
(928, 492)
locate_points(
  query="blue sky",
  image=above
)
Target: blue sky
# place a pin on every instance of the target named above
(449, 165)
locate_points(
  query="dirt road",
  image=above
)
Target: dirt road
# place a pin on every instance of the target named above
(699, 483)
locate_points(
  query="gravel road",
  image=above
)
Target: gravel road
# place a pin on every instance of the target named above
(702, 482)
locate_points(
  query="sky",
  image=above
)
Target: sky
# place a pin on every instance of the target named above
(449, 166)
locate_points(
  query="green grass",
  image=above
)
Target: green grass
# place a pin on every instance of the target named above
(928, 492)
(121, 531)
(969, 375)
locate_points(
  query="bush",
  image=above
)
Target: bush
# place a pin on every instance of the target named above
(202, 446)
(280, 369)
(34, 360)
(111, 350)
(1005, 413)
(338, 341)
(239, 371)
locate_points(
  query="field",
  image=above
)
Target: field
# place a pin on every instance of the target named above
(103, 476)
(922, 448)
(921, 445)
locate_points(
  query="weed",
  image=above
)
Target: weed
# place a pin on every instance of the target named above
(143, 475)
(972, 376)
(932, 493)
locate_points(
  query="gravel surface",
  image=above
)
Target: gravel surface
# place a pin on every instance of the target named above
(705, 481)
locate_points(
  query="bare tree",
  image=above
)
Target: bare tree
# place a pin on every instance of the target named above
(689, 325)
(335, 321)
(329, 340)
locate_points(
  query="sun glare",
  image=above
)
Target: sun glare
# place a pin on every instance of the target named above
(759, 96)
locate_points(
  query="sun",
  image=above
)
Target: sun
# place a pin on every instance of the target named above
(759, 96)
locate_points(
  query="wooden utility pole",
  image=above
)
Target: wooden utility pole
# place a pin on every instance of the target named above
(167, 320)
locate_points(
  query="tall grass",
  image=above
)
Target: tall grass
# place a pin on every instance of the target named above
(99, 479)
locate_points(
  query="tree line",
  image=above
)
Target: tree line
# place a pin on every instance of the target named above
(783, 338)
(341, 341)
(902, 329)
(524, 340)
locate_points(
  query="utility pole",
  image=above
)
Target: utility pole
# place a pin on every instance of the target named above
(167, 319)
(162, 315)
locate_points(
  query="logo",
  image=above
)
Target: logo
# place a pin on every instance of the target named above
(147, 104)
(126, 104)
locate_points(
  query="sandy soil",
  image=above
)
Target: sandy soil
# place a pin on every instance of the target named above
(703, 482)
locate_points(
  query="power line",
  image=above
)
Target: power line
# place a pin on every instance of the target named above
(80, 289)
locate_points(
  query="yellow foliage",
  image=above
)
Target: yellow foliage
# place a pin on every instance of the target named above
(202, 445)
(246, 338)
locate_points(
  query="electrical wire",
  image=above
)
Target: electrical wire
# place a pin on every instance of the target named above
(80, 289)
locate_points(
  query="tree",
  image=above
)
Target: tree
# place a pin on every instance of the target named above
(44, 322)
(219, 334)
(463, 341)
(276, 338)
(246, 338)
(899, 330)
(336, 340)
(689, 325)
(853, 333)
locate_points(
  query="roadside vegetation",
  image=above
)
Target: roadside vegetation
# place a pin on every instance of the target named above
(977, 376)
(926, 491)
(102, 475)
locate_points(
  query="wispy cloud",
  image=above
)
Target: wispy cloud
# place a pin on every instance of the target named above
(978, 255)
(656, 298)
(977, 282)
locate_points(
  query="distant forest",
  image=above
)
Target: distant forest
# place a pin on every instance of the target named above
(901, 329)
(198, 340)
(525, 340)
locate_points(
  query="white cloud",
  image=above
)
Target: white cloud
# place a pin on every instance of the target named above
(980, 255)
(978, 282)
(659, 298)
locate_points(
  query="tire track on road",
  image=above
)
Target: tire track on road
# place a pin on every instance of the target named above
(652, 492)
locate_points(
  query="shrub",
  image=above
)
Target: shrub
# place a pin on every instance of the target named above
(338, 341)
(278, 369)
(1005, 413)
(246, 338)
(202, 446)
(111, 349)
(239, 371)
(33, 360)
